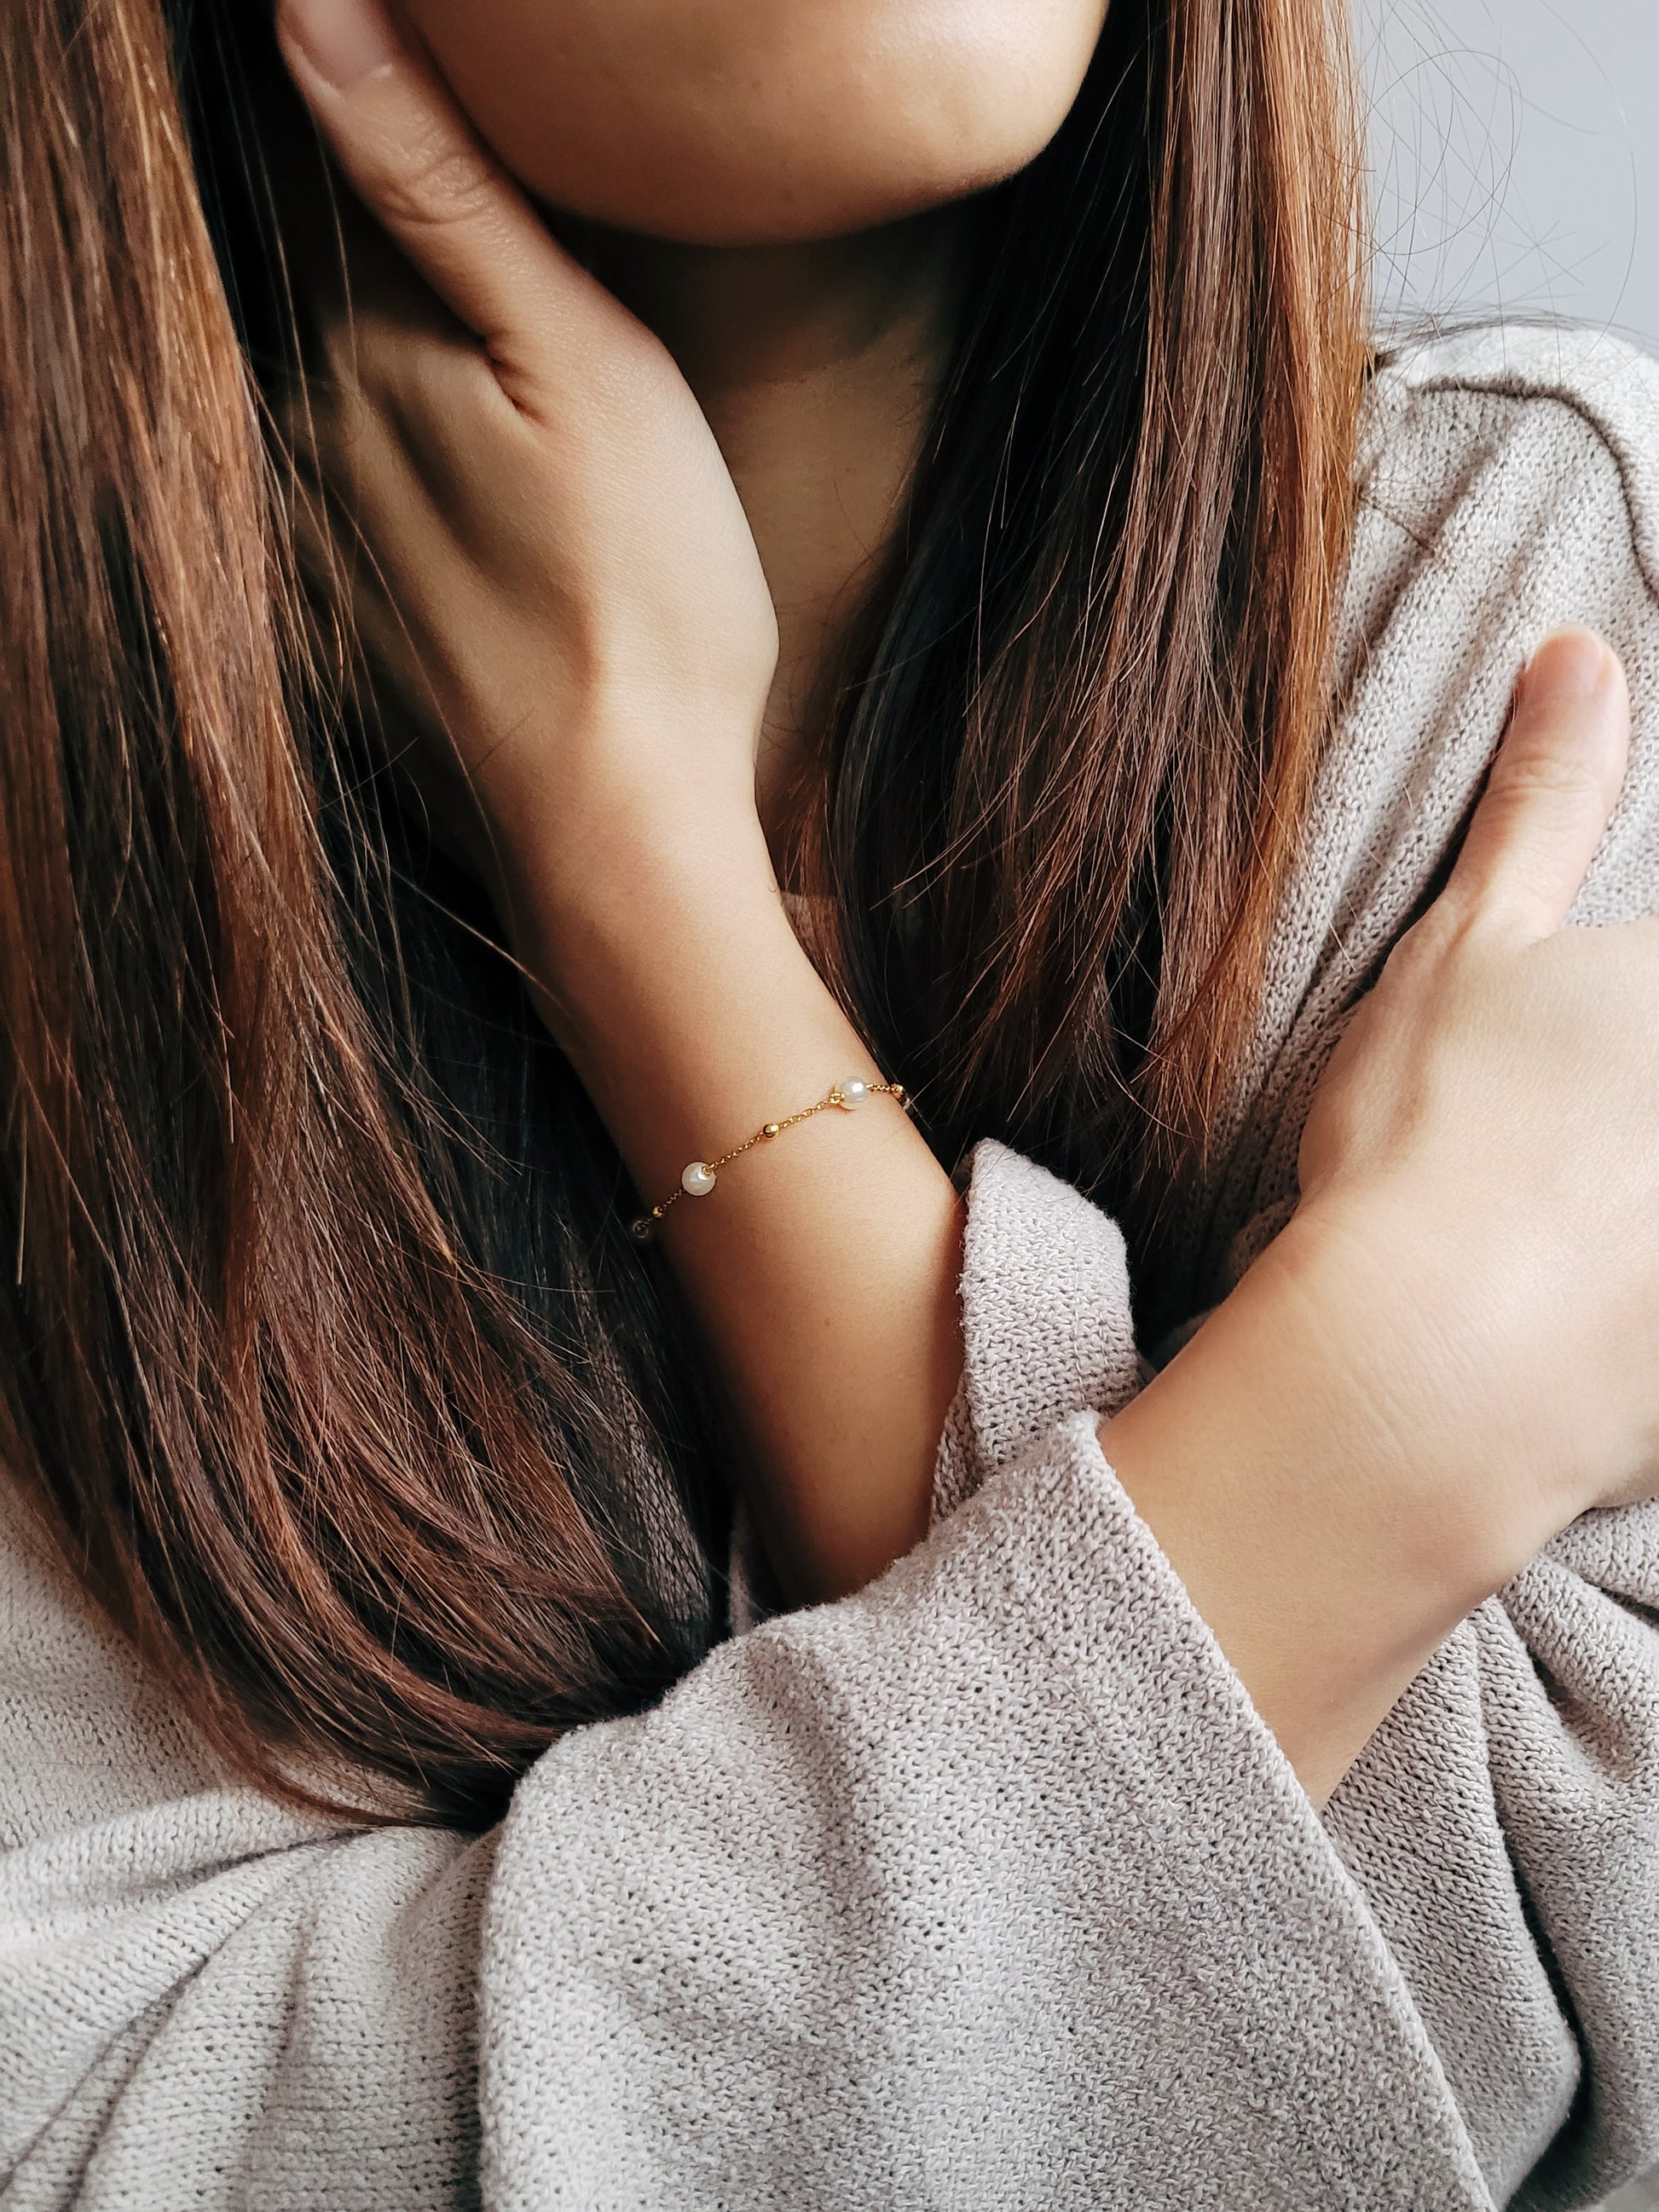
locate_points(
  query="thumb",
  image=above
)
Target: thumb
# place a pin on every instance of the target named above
(1551, 792)
(422, 170)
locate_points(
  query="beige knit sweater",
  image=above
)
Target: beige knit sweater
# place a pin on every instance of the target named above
(987, 1889)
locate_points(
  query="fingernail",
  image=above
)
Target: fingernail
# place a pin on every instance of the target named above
(344, 41)
(1570, 666)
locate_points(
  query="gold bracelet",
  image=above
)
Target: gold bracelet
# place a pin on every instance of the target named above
(699, 1179)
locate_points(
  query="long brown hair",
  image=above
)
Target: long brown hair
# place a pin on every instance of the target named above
(325, 1360)
(1074, 771)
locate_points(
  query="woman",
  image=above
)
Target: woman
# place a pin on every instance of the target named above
(1187, 1820)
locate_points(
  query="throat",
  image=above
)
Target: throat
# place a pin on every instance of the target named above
(818, 367)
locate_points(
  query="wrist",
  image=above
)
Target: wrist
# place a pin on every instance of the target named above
(1428, 1315)
(1308, 1474)
(685, 1002)
(625, 882)
(605, 779)
(1307, 1394)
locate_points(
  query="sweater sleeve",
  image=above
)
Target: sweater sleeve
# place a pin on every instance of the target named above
(1503, 1824)
(986, 1889)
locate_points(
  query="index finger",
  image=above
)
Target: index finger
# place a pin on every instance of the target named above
(421, 169)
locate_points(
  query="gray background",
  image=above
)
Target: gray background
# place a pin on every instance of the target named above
(1515, 153)
(1515, 150)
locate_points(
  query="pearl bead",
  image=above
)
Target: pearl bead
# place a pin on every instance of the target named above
(853, 1092)
(698, 1179)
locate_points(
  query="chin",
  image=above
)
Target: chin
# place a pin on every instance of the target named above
(762, 122)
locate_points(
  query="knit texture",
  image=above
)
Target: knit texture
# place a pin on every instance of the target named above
(987, 1889)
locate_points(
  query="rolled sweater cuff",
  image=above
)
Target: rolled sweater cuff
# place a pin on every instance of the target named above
(1048, 1331)
(1047, 1320)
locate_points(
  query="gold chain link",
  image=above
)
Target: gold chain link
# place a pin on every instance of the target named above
(645, 1226)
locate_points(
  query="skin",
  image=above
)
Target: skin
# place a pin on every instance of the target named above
(776, 192)
(1417, 1386)
(723, 123)
(815, 366)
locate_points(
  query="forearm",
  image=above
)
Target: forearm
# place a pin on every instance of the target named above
(822, 1268)
(1330, 1506)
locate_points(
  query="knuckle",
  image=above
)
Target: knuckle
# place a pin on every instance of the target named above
(432, 395)
(438, 180)
(338, 354)
(386, 357)
(1460, 937)
(1437, 936)
(1522, 777)
(342, 419)
(1417, 955)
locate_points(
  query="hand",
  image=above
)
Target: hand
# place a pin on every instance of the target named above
(1482, 1145)
(557, 557)
(1446, 1356)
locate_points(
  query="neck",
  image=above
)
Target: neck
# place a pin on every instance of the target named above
(817, 366)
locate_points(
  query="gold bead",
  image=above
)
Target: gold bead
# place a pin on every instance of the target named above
(770, 1130)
